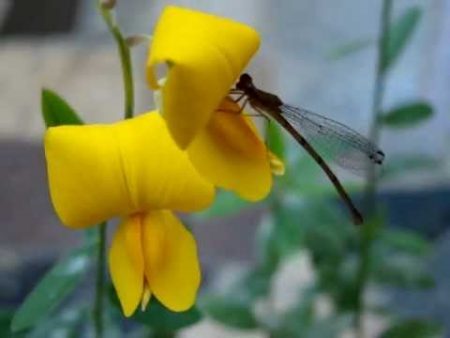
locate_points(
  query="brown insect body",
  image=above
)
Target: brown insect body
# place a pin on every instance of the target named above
(270, 105)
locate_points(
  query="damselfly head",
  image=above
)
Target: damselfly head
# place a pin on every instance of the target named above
(245, 82)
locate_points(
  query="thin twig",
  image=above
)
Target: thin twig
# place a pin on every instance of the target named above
(100, 282)
(367, 233)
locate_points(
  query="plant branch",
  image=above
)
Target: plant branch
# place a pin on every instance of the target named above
(125, 58)
(127, 74)
(100, 281)
(368, 232)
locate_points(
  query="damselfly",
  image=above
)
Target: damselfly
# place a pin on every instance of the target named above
(347, 148)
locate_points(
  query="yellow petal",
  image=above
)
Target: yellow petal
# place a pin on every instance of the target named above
(101, 171)
(171, 262)
(85, 175)
(231, 155)
(126, 264)
(159, 175)
(276, 164)
(205, 54)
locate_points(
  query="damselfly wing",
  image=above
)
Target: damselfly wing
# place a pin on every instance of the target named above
(334, 141)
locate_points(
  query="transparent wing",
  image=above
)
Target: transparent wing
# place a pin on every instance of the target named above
(334, 141)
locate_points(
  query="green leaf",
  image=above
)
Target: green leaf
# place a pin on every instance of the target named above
(162, 319)
(275, 140)
(408, 115)
(158, 317)
(402, 270)
(67, 324)
(6, 316)
(407, 163)
(399, 34)
(350, 48)
(413, 328)
(405, 241)
(225, 204)
(56, 111)
(230, 311)
(52, 289)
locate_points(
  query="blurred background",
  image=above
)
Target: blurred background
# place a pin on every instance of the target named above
(296, 254)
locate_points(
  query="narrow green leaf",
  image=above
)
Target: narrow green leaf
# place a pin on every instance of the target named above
(6, 316)
(407, 163)
(405, 241)
(56, 111)
(275, 140)
(230, 311)
(402, 270)
(225, 204)
(52, 289)
(158, 317)
(413, 328)
(350, 48)
(399, 34)
(407, 115)
(67, 323)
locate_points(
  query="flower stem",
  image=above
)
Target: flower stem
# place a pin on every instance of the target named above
(100, 282)
(367, 233)
(378, 95)
(125, 58)
(127, 74)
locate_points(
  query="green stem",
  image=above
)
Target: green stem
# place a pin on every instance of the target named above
(127, 73)
(367, 233)
(100, 282)
(378, 95)
(125, 59)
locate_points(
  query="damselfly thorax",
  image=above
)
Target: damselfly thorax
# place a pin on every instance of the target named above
(317, 134)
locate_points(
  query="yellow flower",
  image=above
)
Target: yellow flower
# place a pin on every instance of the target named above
(134, 170)
(205, 55)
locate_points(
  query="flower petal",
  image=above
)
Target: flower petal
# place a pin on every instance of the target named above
(171, 262)
(101, 171)
(206, 54)
(231, 155)
(85, 176)
(159, 175)
(126, 264)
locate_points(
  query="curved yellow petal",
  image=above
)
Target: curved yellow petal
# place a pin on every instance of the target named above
(101, 171)
(171, 262)
(205, 54)
(230, 154)
(159, 175)
(126, 264)
(85, 176)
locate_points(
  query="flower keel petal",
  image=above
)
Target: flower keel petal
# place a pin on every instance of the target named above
(231, 155)
(126, 264)
(171, 262)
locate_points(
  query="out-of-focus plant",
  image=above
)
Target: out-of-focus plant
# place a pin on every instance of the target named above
(351, 266)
